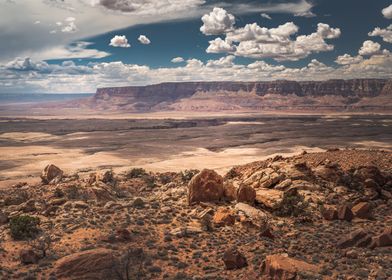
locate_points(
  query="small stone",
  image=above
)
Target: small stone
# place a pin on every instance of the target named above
(361, 210)
(224, 217)
(234, 259)
(28, 256)
(344, 213)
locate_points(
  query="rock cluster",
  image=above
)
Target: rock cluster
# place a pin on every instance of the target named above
(283, 218)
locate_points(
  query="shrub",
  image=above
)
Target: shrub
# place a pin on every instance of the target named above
(188, 174)
(136, 173)
(293, 205)
(24, 227)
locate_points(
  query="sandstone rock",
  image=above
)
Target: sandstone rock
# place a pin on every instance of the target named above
(246, 194)
(361, 210)
(185, 231)
(234, 259)
(280, 267)
(285, 184)
(329, 172)
(3, 218)
(91, 264)
(271, 198)
(224, 217)
(384, 239)
(29, 256)
(329, 213)
(358, 238)
(344, 213)
(230, 190)
(264, 178)
(251, 212)
(51, 174)
(205, 186)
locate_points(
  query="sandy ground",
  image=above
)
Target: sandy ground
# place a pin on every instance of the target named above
(78, 145)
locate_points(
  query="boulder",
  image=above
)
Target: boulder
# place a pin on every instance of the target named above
(271, 198)
(206, 186)
(364, 173)
(361, 210)
(51, 174)
(185, 231)
(280, 267)
(234, 259)
(29, 256)
(329, 212)
(91, 264)
(358, 238)
(265, 178)
(246, 194)
(251, 212)
(106, 177)
(224, 217)
(329, 172)
(344, 213)
(230, 190)
(384, 239)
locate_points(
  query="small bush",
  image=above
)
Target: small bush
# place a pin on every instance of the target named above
(24, 227)
(293, 205)
(188, 174)
(136, 173)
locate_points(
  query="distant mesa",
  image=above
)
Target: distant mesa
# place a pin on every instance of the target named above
(357, 95)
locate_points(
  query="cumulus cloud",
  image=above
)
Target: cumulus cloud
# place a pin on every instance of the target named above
(385, 34)
(347, 59)
(144, 40)
(220, 46)
(217, 22)
(177, 60)
(267, 16)
(387, 12)
(24, 74)
(119, 41)
(278, 43)
(370, 48)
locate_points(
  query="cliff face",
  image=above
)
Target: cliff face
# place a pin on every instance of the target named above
(226, 95)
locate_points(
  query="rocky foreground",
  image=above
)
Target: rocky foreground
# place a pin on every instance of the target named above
(313, 216)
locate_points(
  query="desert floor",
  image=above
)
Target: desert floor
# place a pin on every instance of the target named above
(174, 142)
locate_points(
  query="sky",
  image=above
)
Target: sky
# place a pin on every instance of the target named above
(76, 46)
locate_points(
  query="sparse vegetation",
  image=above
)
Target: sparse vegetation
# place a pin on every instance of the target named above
(136, 173)
(24, 227)
(293, 205)
(188, 174)
(132, 264)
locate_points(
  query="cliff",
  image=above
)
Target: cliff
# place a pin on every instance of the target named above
(215, 96)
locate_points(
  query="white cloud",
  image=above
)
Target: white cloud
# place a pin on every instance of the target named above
(119, 41)
(177, 60)
(301, 8)
(387, 12)
(277, 43)
(217, 22)
(220, 46)
(370, 48)
(144, 40)
(347, 59)
(267, 16)
(385, 34)
(26, 75)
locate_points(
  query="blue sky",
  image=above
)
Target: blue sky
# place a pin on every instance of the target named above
(65, 46)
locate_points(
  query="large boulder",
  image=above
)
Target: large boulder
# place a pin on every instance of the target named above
(91, 264)
(51, 174)
(246, 194)
(280, 267)
(206, 186)
(234, 259)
